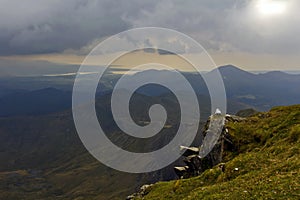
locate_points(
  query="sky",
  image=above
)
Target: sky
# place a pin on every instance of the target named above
(251, 34)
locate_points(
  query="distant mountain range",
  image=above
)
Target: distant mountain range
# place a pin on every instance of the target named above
(42, 95)
(262, 91)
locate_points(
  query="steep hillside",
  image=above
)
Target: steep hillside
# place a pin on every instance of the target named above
(266, 164)
(42, 157)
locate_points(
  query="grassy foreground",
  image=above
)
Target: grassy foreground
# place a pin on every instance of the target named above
(265, 166)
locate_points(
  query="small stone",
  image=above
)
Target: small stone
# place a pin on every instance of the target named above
(222, 167)
(130, 197)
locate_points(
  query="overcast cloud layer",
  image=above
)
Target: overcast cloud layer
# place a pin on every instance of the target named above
(53, 26)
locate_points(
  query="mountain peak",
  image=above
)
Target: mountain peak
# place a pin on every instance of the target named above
(230, 68)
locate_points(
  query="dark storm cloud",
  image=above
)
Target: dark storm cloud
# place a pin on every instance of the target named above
(28, 27)
(47, 26)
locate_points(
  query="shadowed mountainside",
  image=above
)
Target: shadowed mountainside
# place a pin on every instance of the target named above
(43, 158)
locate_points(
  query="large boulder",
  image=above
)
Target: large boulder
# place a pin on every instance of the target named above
(195, 165)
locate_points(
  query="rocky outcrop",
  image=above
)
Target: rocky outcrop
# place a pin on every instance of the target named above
(142, 192)
(195, 164)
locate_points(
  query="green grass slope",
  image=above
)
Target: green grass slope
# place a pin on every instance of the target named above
(265, 166)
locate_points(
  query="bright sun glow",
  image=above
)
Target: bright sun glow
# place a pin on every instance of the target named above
(271, 7)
